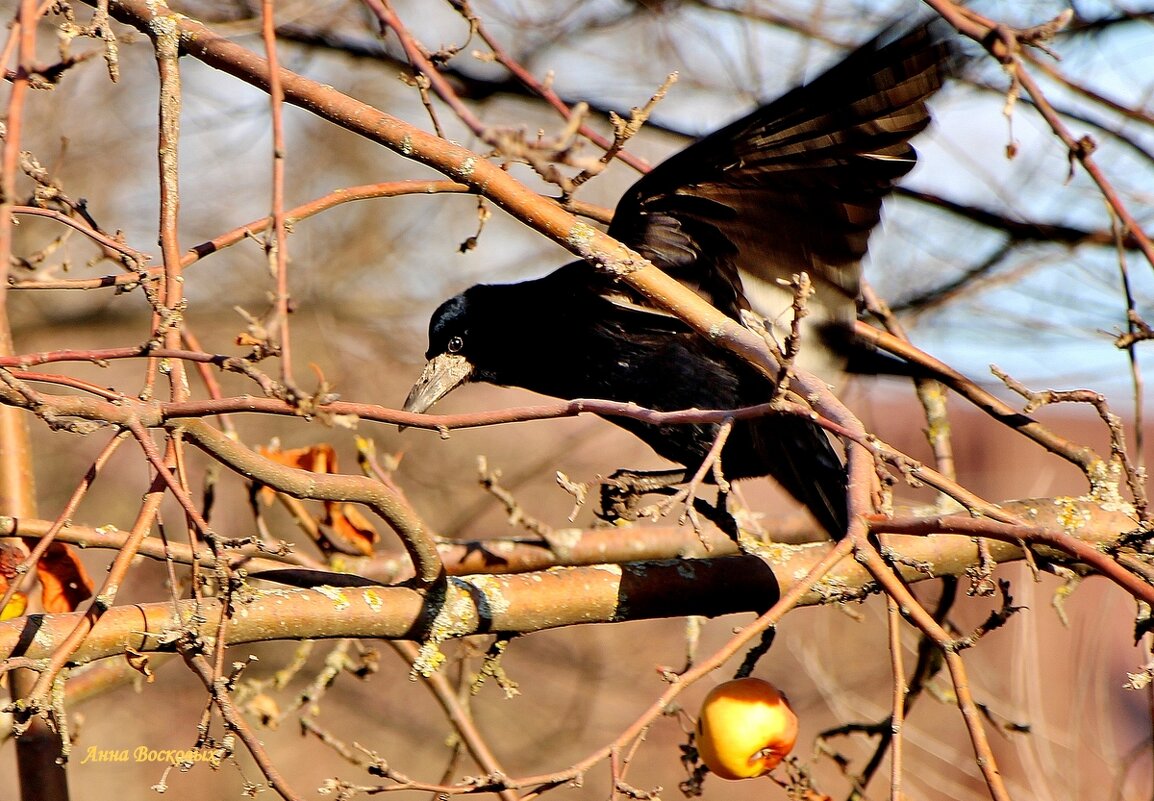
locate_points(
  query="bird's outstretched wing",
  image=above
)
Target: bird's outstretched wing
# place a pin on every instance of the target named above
(796, 185)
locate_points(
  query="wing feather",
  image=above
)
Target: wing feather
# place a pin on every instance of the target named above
(796, 185)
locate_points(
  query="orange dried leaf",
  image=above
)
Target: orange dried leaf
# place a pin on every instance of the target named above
(64, 583)
(351, 531)
(314, 458)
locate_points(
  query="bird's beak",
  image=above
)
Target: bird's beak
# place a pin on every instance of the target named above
(442, 374)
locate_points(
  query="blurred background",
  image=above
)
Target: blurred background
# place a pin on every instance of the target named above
(988, 259)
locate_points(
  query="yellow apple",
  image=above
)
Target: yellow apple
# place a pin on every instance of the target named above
(745, 728)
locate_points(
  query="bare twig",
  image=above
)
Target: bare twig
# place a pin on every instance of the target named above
(276, 246)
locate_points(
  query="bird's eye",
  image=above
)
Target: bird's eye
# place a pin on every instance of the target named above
(455, 344)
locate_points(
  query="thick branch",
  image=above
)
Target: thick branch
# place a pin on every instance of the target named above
(545, 599)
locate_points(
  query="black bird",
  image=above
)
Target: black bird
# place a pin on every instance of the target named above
(795, 186)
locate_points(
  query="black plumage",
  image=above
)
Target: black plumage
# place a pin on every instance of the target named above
(795, 186)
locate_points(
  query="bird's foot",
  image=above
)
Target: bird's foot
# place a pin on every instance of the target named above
(622, 492)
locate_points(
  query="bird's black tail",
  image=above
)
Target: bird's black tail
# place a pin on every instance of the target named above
(808, 466)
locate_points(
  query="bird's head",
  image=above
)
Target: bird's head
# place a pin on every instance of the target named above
(448, 363)
(504, 334)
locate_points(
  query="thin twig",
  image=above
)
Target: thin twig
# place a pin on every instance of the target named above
(458, 715)
(235, 721)
(38, 700)
(897, 719)
(276, 246)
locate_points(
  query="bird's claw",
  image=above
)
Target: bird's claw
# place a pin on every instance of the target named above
(619, 502)
(621, 493)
